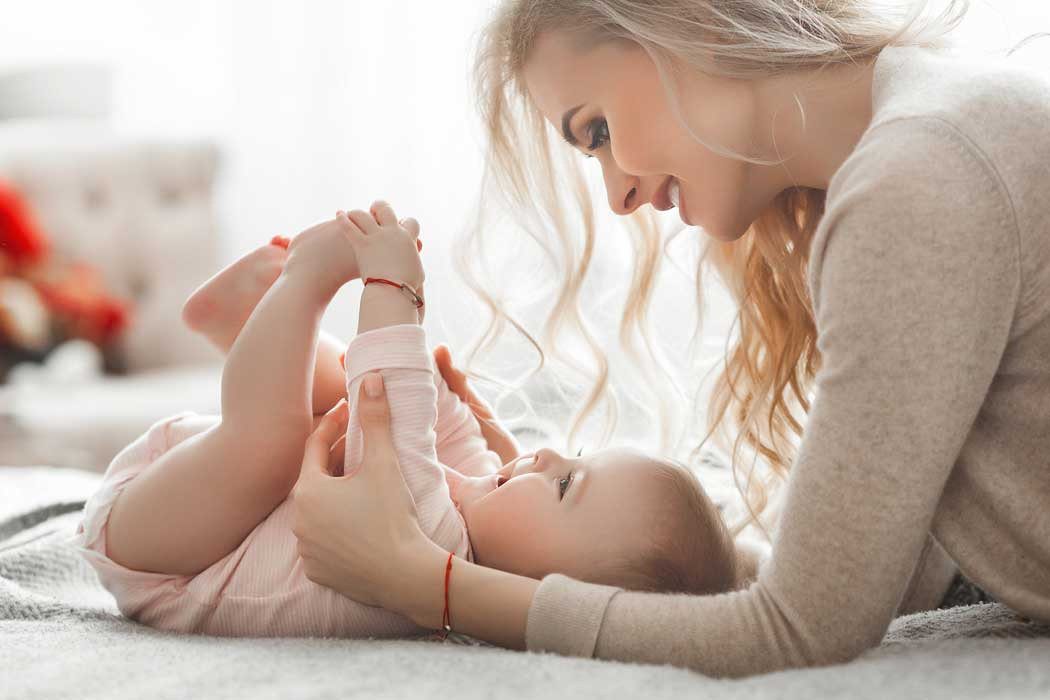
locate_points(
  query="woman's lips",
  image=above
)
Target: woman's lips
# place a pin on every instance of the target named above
(662, 200)
(670, 196)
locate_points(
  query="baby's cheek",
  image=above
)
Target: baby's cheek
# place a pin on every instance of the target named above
(507, 538)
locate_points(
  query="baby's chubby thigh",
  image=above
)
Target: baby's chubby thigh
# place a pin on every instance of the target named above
(261, 589)
(243, 593)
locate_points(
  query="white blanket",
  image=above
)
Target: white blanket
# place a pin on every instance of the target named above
(62, 636)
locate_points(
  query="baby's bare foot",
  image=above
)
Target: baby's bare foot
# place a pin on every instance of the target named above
(221, 306)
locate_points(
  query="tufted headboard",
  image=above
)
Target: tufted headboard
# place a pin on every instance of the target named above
(141, 211)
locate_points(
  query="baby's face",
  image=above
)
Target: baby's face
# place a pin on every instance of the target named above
(547, 513)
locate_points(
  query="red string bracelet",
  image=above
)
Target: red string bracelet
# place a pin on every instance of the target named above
(446, 619)
(416, 299)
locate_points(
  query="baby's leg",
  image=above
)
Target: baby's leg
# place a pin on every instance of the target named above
(198, 501)
(219, 308)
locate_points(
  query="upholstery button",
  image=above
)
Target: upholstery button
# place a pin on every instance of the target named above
(169, 195)
(94, 198)
(138, 287)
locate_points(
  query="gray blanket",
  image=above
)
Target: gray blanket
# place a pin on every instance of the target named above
(62, 636)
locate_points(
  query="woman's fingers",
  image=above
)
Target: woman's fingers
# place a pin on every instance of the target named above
(337, 457)
(373, 412)
(457, 381)
(325, 435)
(498, 439)
(453, 377)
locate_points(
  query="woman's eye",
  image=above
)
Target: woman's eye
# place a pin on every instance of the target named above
(563, 485)
(599, 132)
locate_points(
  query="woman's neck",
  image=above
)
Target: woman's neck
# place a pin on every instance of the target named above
(838, 107)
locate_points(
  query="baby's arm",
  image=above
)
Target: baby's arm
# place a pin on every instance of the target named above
(390, 341)
(400, 354)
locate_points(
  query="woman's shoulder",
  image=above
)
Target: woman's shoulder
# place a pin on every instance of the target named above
(943, 109)
(987, 97)
(956, 147)
(947, 128)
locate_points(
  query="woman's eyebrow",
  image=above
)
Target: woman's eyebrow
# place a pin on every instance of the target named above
(566, 120)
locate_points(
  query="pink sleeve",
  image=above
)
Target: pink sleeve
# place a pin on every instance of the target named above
(400, 354)
(460, 444)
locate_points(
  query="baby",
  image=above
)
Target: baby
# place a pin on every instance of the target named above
(190, 529)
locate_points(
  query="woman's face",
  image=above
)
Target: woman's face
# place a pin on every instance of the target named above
(608, 101)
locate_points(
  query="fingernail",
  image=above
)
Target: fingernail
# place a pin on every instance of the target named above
(373, 385)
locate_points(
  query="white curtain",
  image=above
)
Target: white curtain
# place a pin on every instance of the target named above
(325, 104)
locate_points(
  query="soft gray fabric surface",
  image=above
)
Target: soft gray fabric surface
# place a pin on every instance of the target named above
(62, 636)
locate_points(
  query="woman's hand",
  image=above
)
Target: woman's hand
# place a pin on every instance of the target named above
(499, 440)
(358, 533)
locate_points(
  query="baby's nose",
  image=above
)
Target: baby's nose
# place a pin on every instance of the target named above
(546, 458)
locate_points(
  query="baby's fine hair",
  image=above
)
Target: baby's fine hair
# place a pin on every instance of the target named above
(690, 549)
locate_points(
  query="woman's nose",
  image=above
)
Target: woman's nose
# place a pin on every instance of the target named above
(622, 189)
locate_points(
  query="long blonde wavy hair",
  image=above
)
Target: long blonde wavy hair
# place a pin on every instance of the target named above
(768, 373)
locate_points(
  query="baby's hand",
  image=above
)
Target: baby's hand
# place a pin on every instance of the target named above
(385, 247)
(324, 254)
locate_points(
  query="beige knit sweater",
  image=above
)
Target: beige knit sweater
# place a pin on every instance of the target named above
(930, 279)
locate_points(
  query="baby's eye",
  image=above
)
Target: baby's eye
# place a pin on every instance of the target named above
(563, 485)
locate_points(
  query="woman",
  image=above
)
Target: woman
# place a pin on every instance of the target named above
(878, 209)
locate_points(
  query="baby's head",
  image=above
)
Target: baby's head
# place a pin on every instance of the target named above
(616, 517)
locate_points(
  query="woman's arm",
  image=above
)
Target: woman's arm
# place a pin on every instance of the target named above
(484, 603)
(914, 299)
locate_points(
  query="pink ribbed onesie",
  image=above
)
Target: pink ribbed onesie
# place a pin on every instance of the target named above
(259, 589)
